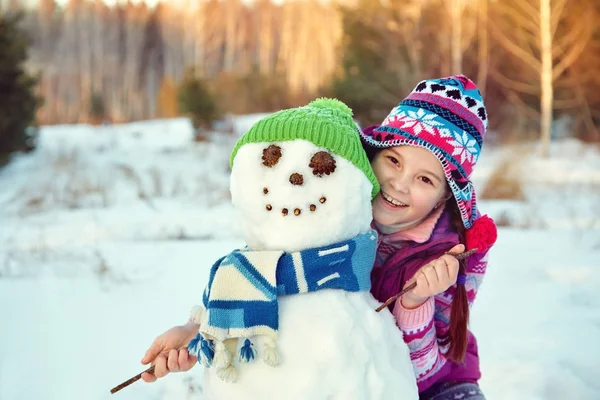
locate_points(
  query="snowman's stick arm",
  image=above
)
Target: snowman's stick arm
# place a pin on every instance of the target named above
(130, 381)
(413, 285)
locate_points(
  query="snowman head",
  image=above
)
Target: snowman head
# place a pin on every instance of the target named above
(301, 179)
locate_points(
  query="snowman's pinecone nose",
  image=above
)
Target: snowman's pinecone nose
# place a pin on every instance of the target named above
(296, 179)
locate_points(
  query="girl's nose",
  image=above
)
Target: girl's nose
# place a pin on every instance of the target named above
(400, 183)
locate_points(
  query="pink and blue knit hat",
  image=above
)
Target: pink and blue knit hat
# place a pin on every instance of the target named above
(447, 117)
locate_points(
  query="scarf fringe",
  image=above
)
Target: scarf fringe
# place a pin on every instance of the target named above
(222, 357)
(228, 374)
(203, 349)
(197, 314)
(270, 354)
(247, 352)
(214, 353)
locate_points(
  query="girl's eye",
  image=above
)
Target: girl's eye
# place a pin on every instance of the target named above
(426, 180)
(393, 160)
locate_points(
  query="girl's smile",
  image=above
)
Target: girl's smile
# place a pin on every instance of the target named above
(412, 184)
(391, 202)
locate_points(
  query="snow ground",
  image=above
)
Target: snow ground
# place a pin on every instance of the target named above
(108, 233)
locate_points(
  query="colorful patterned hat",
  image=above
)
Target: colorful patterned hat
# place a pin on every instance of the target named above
(447, 117)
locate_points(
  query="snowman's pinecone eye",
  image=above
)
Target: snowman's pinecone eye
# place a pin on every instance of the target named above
(322, 163)
(271, 155)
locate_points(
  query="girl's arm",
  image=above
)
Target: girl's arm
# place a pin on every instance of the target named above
(424, 325)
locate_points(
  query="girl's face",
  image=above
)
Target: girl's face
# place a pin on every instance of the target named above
(412, 184)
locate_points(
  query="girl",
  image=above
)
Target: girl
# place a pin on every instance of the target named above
(423, 155)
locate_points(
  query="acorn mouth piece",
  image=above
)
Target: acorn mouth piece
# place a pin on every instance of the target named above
(296, 211)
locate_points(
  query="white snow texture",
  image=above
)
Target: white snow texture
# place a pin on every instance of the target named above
(332, 344)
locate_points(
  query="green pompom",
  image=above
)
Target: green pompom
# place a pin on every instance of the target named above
(334, 104)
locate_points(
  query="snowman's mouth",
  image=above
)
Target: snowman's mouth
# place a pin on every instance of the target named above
(296, 211)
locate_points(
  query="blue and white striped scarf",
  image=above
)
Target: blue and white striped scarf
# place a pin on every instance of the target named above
(241, 296)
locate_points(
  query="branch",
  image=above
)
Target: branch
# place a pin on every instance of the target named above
(530, 43)
(131, 380)
(469, 31)
(583, 78)
(520, 19)
(515, 85)
(574, 53)
(531, 11)
(410, 287)
(568, 40)
(514, 99)
(565, 103)
(556, 13)
(514, 49)
(587, 117)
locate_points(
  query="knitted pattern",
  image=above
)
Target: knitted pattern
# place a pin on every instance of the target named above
(241, 296)
(447, 117)
(324, 122)
(454, 391)
(424, 326)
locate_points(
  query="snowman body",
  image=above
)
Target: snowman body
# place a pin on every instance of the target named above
(333, 345)
(292, 196)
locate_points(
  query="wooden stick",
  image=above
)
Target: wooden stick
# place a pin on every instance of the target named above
(413, 285)
(130, 381)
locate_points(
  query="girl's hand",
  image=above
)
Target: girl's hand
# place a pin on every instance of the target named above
(434, 278)
(168, 352)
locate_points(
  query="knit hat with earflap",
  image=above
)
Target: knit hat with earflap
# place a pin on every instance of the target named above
(324, 122)
(447, 117)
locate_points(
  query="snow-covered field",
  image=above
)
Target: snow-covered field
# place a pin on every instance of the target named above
(107, 234)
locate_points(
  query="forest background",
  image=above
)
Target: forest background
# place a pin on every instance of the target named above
(536, 61)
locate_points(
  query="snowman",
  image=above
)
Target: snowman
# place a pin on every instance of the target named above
(290, 316)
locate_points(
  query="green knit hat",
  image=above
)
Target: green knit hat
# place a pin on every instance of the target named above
(324, 122)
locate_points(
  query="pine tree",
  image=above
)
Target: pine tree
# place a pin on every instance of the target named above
(18, 100)
(370, 79)
(196, 101)
(97, 109)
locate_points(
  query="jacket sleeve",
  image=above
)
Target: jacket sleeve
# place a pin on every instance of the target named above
(425, 325)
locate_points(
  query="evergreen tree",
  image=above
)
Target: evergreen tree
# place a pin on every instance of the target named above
(18, 100)
(97, 109)
(196, 101)
(380, 64)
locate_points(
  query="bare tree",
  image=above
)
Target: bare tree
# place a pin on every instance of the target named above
(123, 52)
(456, 14)
(528, 32)
(483, 51)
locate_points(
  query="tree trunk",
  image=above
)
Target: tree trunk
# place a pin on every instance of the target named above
(483, 53)
(199, 42)
(230, 35)
(456, 8)
(546, 76)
